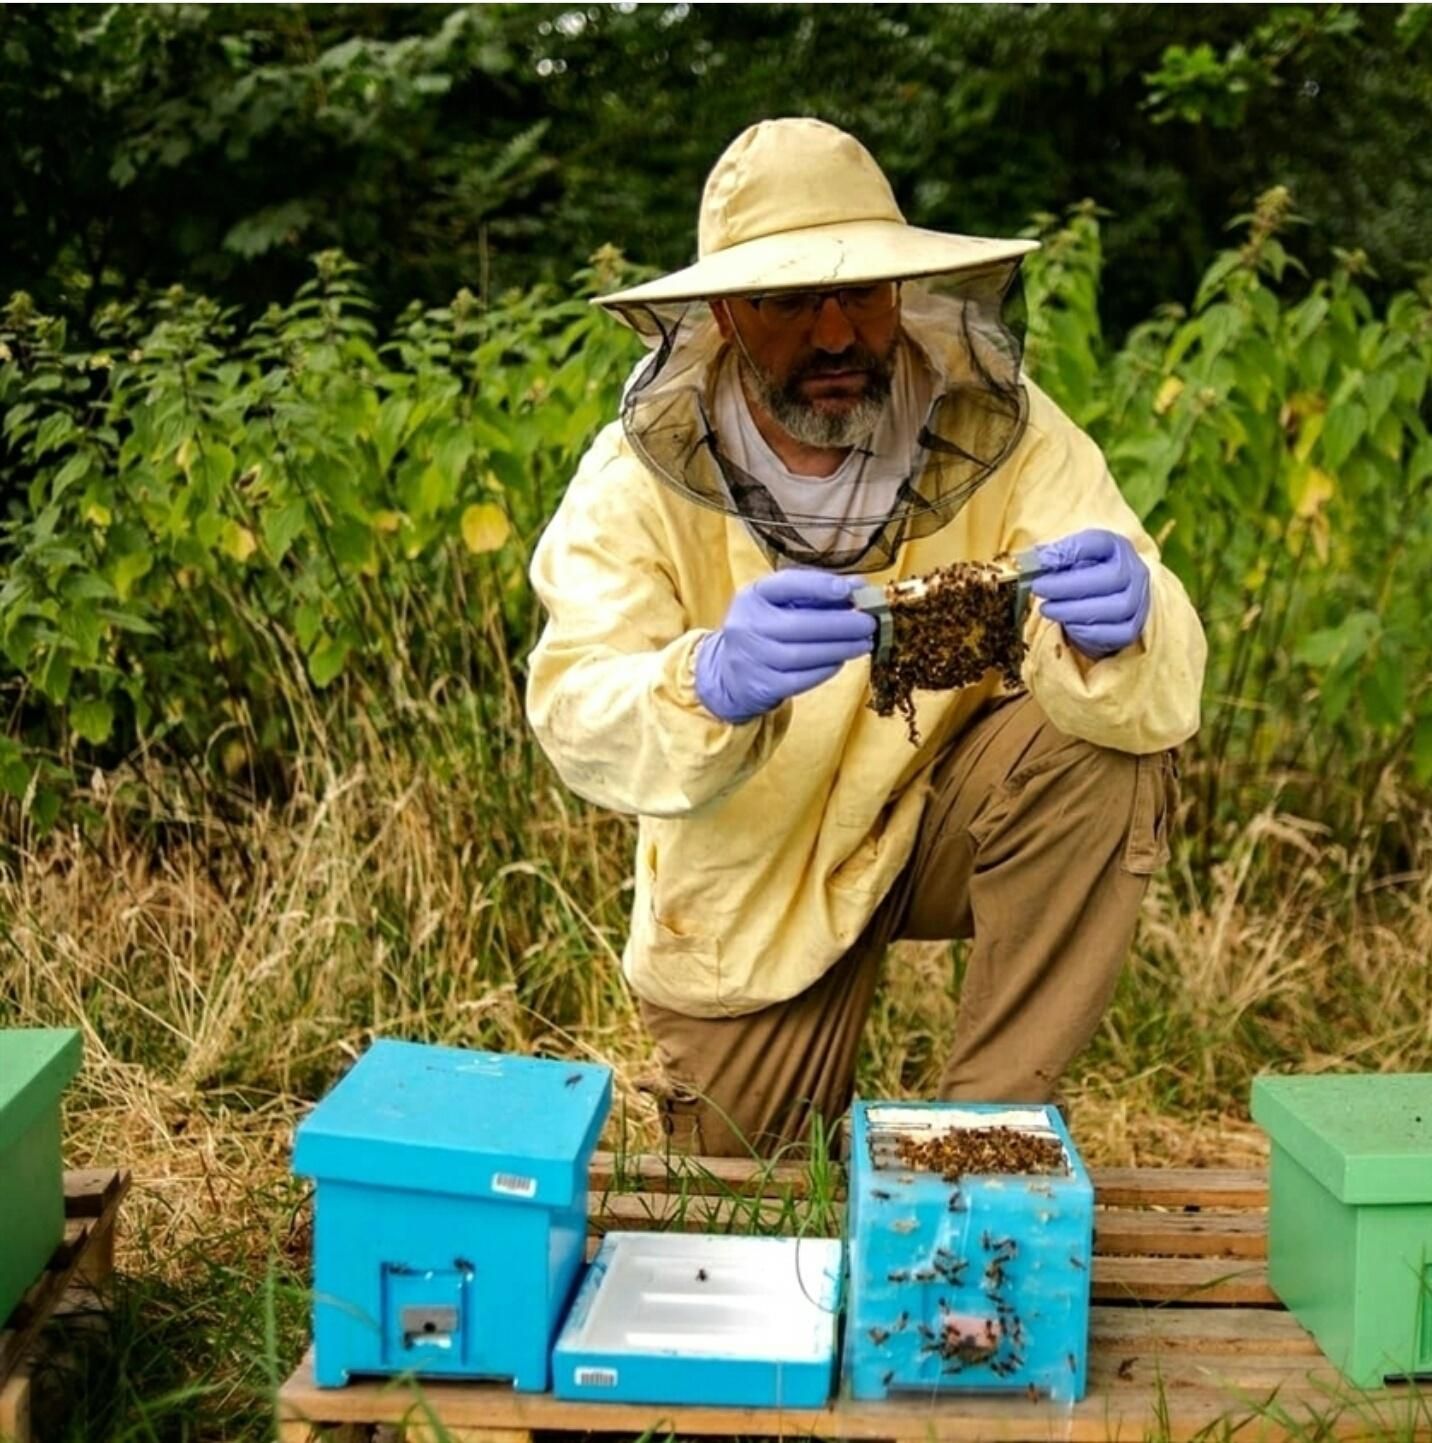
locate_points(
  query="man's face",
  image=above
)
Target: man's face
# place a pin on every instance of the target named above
(820, 363)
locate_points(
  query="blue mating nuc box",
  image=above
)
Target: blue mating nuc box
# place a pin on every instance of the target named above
(969, 1236)
(450, 1211)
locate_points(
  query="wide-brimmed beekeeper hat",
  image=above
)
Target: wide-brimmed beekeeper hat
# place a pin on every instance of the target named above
(797, 204)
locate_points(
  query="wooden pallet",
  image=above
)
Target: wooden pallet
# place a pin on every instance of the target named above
(79, 1267)
(1187, 1339)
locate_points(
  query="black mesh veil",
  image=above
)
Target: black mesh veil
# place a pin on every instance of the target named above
(966, 331)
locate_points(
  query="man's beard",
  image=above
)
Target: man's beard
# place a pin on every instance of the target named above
(801, 418)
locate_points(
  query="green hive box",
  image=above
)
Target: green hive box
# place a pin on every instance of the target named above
(35, 1065)
(1350, 1216)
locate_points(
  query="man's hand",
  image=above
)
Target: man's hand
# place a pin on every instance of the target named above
(782, 635)
(1097, 588)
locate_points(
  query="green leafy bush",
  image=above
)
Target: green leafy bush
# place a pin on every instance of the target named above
(226, 547)
(1274, 437)
(220, 542)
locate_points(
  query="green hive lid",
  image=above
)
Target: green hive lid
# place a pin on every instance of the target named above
(1366, 1137)
(35, 1065)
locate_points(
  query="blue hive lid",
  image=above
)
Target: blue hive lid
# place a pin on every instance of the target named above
(446, 1120)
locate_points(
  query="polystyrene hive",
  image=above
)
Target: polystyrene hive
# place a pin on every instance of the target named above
(1350, 1216)
(35, 1066)
(450, 1213)
(969, 1280)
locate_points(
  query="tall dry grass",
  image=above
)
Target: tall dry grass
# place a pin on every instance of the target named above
(224, 971)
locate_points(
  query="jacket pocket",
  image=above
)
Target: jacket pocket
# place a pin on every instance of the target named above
(667, 964)
(1155, 806)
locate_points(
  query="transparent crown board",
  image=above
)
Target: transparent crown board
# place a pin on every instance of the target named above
(704, 1319)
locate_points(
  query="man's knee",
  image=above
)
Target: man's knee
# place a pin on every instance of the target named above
(1123, 800)
(1063, 785)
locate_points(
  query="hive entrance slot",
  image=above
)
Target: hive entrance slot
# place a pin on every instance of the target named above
(428, 1327)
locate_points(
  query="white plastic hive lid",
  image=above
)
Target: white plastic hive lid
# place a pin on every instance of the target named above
(952, 1115)
(695, 1295)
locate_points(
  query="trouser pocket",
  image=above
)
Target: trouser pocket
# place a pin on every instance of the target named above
(1154, 807)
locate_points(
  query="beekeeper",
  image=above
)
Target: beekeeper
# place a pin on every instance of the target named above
(833, 398)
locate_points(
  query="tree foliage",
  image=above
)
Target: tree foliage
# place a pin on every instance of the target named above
(494, 145)
(239, 541)
(221, 524)
(1275, 438)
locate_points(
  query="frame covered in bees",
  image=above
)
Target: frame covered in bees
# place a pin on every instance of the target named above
(948, 629)
(970, 1239)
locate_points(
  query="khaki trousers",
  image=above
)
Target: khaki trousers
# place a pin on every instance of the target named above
(1036, 845)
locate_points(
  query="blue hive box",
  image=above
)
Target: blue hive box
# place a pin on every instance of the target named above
(977, 1282)
(450, 1211)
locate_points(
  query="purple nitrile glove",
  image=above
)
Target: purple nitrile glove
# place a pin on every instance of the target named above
(1096, 586)
(782, 635)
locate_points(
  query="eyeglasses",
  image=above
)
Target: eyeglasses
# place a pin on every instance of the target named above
(860, 303)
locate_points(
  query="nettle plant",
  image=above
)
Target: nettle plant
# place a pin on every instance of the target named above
(217, 540)
(222, 545)
(1275, 439)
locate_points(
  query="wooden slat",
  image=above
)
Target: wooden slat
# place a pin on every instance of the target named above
(1119, 1232)
(78, 1232)
(1170, 1270)
(89, 1189)
(16, 1397)
(83, 1234)
(1182, 1187)
(1124, 1232)
(700, 1176)
(1113, 1374)
(1187, 1396)
(661, 1212)
(424, 1433)
(1136, 1331)
(1180, 1280)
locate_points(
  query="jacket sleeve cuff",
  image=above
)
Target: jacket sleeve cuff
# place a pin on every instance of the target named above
(1143, 699)
(701, 745)
(629, 732)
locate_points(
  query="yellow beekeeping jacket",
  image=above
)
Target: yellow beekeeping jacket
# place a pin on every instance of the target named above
(763, 848)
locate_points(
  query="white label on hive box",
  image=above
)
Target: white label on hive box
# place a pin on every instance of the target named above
(514, 1184)
(596, 1377)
